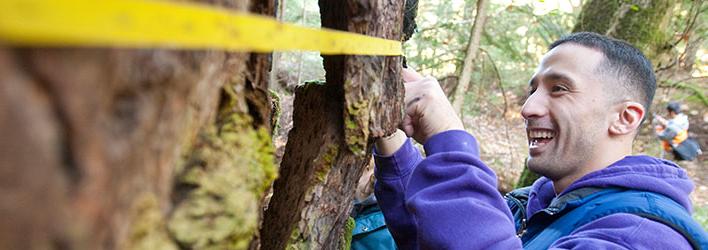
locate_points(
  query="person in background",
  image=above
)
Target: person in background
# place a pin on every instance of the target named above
(673, 133)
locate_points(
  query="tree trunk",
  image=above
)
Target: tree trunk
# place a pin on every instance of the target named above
(472, 49)
(133, 148)
(334, 125)
(639, 22)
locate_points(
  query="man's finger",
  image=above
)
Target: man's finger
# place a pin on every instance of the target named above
(409, 75)
(407, 126)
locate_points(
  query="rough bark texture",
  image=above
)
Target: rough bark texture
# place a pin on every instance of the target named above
(333, 129)
(133, 149)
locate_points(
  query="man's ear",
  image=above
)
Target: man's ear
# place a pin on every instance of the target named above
(629, 116)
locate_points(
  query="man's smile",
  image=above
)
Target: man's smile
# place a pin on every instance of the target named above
(539, 138)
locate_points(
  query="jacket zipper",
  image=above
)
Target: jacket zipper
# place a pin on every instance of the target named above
(520, 232)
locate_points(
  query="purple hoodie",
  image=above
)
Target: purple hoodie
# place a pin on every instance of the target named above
(449, 200)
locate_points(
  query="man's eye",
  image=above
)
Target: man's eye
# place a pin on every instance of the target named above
(558, 88)
(531, 90)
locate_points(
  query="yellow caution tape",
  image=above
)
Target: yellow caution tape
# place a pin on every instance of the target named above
(153, 24)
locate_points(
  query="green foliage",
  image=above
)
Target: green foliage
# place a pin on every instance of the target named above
(514, 39)
(700, 214)
(527, 177)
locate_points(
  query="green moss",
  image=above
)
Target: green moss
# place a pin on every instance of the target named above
(596, 16)
(147, 230)
(700, 214)
(356, 126)
(297, 241)
(325, 163)
(641, 25)
(350, 124)
(348, 231)
(331, 155)
(227, 172)
(357, 146)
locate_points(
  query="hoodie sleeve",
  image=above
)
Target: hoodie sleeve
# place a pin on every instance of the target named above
(623, 231)
(453, 198)
(392, 175)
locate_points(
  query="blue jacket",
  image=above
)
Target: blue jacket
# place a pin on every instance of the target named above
(449, 200)
(370, 231)
(581, 206)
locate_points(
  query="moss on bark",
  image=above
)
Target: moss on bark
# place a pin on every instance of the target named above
(226, 174)
(148, 229)
(348, 231)
(639, 22)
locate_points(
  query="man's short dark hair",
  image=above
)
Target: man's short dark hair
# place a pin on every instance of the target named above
(623, 62)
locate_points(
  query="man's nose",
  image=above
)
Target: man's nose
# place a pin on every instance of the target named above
(536, 105)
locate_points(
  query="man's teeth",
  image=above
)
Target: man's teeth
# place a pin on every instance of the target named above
(541, 134)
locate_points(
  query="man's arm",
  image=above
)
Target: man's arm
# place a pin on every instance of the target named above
(448, 200)
(453, 198)
(395, 159)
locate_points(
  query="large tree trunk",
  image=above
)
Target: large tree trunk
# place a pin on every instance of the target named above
(472, 49)
(639, 22)
(333, 129)
(133, 148)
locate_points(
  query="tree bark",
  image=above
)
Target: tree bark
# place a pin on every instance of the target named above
(472, 49)
(334, 125)
(133, 148)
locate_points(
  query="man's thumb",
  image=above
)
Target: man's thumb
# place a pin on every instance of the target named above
(409, 75)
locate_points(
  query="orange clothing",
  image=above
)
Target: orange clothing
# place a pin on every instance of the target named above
(678, 139)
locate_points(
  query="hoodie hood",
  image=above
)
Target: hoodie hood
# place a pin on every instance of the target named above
(632, 172)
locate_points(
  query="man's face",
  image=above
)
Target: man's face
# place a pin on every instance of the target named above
(566, 111)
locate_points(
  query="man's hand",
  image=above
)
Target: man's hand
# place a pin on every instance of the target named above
(428, 112)
(660, 120)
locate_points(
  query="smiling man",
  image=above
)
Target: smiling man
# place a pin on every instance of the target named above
(586, 101)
